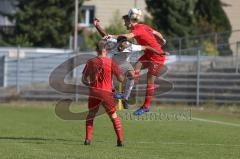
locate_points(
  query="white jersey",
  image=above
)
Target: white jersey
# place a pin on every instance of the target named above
(122, 58)
(124, 55)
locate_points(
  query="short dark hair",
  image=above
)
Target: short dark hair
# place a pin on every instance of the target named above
(125, 17)
(122, 39)
(101, 45)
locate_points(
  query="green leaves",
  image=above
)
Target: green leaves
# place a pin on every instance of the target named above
(182, 18)
(172, 16)
(213, 14)
(178, 18)
(42, 23)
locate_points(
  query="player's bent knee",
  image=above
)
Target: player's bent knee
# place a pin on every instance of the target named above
(150, 78)
(114, 115)
(130, 75)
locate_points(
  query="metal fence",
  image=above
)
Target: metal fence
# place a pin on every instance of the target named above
(199, 74)
(188, 45)
(205, 77)
(26, 66)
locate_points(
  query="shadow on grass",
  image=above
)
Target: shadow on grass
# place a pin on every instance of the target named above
(41, 140)
(38, 140)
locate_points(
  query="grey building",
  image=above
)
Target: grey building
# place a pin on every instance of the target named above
(6, 7)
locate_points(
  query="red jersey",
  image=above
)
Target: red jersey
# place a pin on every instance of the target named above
(100, 70)
(145, 37)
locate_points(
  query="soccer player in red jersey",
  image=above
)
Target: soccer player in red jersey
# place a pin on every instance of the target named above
(121, 50)
(146, 36)
(97, 74)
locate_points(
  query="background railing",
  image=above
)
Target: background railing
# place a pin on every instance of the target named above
(180, 45)
(199, 74)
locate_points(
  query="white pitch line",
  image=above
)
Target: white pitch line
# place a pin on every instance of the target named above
(216, 122)
(189, 144)
(197, 119)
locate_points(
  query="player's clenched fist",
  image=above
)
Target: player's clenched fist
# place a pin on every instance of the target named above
(96, 22)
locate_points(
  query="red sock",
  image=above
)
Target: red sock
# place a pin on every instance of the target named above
(149, 94)
(118, 128)
(89, 127)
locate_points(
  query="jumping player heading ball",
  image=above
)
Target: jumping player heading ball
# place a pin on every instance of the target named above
(145, 36)
(122, 49)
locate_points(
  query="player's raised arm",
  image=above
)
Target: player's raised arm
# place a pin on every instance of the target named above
(129, 36)
(85, 75)
(136, 48)
(159, 37)
(97, 25)
(148, 48)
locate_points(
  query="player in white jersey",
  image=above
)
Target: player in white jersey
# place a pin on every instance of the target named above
(121, 50)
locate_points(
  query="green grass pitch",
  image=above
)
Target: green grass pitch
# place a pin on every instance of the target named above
(32, 130)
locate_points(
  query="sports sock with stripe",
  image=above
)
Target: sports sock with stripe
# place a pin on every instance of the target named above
(149, 94)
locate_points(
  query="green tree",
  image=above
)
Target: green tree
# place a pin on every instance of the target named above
(177, 18)
(41, 23)
(211, 16)
(173, 17)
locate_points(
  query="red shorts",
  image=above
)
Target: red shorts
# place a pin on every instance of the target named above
(154, 67)
(105, 98)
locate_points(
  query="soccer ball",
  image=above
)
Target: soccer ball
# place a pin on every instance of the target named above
(135, 13)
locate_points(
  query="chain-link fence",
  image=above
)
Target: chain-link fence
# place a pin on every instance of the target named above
(25, 70)
(219, 41)
(199, 75)
(204, 77)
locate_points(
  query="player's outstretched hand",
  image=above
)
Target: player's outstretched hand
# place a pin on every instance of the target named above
(107, 37)
(96, 22)
(165, 54)
(162, 42)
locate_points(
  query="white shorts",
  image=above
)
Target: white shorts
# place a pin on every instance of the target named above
(125, 67)
(121, 61)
